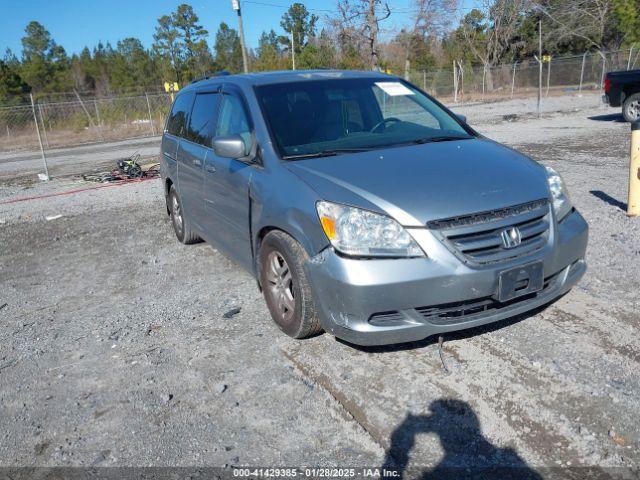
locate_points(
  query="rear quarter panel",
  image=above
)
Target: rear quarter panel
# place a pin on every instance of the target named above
(168, 154)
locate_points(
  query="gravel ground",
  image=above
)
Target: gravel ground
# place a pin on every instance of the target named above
(116, 350)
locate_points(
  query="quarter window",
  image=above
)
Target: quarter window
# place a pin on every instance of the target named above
(203, 118)
(179, 115)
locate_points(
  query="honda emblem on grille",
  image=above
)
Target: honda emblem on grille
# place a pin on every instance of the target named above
(511, 237)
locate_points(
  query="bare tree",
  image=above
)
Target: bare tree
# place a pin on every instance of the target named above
(362, 18)
(433, 17)
(489, 29)
(588, 20)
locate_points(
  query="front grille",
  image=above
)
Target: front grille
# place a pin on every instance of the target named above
(458, 312)
(461, 311)
(477, 238)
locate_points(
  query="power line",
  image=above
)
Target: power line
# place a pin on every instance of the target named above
(265, 4)
(326, 10)
(393, 8)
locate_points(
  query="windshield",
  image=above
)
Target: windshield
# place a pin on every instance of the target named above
(328, 117)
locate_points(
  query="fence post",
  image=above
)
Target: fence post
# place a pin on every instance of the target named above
(539, 84)
(604, 64)
(584, 57)
(153, 129)
(539, 67)
(455, 83)
(513, 78)
(87, 114)
(629, 59)
(44, 128)
(44, 156)
(424, 80)
(548, 75)
(461, 82)
(95, 105)
(484, 73)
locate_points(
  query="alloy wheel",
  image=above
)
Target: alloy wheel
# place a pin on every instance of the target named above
(281, 285)
(177, 213)
(634, 109)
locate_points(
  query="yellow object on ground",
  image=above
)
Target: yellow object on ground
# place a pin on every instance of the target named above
(633, 204)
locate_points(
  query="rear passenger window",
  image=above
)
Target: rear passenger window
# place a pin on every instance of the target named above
(203, 118)
(176, 124)
(233, 120)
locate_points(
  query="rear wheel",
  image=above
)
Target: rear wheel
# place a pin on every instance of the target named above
(180, 224)
(285, 285)
(631, 108)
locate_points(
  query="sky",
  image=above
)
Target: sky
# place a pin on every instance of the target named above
(75, 24)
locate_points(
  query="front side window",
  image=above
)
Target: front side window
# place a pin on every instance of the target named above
(179, 116)
(203, 119)
(233, 120)
(324, 117)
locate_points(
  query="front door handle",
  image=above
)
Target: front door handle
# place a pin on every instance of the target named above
(197, 162)
(210, 168)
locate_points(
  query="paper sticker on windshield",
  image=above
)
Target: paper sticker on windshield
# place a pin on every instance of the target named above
(394, 89)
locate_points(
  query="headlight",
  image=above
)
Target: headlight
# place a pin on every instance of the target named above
(358, 232)
(559, 194)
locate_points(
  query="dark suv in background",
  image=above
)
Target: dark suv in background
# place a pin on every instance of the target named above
(364, 207)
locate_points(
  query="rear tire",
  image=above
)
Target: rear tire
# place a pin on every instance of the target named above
(631, 108)
(184, 234)
(286, 287)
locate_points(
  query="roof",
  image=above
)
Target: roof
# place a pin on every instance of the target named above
(285, 76)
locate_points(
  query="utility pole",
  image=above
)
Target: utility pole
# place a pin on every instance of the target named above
(235, 4)
(539, 65)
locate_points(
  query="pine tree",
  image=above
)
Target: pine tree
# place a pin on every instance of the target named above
(228, 49)
(167, 48)
(196, 54)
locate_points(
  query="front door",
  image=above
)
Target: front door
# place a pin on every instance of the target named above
(226, 186)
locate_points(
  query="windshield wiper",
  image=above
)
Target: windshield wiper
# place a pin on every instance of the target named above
(325, 153)
(441, 138)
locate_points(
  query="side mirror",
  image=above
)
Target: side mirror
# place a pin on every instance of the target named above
(231, 146)
(462, 118)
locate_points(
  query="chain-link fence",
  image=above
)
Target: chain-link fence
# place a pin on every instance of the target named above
(70, 119)
(574, 74)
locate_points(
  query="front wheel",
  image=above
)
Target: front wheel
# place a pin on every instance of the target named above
(631, 108)
(285, 285)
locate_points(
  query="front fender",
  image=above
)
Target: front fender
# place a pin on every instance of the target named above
(280, 200)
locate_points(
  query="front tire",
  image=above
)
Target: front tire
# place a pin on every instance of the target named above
(184, 234)
(286, 287)
(631, 108)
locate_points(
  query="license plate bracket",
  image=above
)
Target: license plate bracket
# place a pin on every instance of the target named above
(519, 281)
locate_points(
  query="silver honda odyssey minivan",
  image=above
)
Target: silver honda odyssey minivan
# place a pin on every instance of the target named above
(364, 207)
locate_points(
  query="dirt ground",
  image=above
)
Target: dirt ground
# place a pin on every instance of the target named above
(115, 349)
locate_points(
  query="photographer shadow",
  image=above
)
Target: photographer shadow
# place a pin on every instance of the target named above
(467, 454)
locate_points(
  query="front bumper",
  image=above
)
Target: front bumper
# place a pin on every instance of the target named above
(383, 301)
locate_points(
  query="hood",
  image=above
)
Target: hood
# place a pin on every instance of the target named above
(418, 183)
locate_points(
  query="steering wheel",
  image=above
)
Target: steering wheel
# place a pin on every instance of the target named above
(383, 123)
